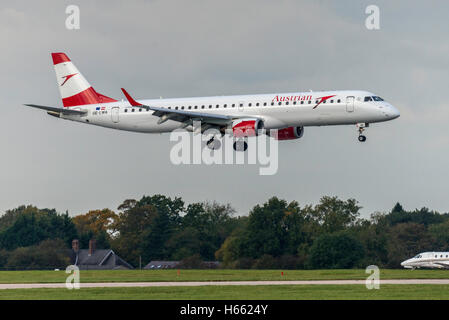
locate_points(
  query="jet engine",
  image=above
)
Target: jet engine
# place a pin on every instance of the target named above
(289, 133)
(246, 127)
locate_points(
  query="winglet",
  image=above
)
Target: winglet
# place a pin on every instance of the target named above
(133, 102)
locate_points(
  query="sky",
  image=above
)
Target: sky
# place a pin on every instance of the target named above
(201, 48)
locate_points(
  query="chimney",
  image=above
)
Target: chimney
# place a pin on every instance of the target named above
(75, 245)
(92, 245)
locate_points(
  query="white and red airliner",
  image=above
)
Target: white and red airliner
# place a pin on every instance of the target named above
(282, 115)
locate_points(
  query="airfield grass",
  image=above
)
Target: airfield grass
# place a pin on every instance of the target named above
(277, 292)
(213, 275)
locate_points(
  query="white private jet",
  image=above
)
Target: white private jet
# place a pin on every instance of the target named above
(281, 115)
(428, 260)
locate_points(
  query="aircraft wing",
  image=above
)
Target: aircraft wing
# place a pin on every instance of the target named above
(187, 117)
(59, 110)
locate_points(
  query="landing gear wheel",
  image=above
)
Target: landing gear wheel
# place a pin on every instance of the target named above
(361, 127)
(362, 138)
(213, 144)
(240, 145)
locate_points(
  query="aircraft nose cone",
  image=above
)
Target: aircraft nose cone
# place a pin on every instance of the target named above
(390, 112)
(394, 113)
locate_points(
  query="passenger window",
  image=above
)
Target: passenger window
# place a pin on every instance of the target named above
(225, 105)
(202, 107)
(233, 105)
(294, 102)
(286, 103)
(264, 104)
(338, 100)
(272, 103)
(280, 103)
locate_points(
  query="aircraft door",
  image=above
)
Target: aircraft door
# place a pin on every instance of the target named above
(115, 114)
(350, 104)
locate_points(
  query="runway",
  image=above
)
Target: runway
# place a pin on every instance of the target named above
(217, 283)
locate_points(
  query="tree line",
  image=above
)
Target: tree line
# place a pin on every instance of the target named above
(275, 234)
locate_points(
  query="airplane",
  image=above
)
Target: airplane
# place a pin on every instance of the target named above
(280, 115)
(428, 260)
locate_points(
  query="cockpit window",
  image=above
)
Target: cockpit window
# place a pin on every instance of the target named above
(375, 98)
(368, 99)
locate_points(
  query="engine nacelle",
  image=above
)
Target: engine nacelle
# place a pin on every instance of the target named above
(289, 133)
(246, 127)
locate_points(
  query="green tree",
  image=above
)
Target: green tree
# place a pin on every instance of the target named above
(276, 228)
(96, 224)
(333, 214)
(405, 240)
(335, 251)
(209, 224)
(48, 254)
(144, 226)
(440, 232)
(35, 225)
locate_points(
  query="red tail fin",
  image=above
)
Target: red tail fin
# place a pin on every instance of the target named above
(74, 88)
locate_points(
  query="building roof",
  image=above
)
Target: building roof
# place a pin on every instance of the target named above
(102, 258)
(161, 264)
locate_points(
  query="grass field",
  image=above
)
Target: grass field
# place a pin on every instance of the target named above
(282, 292)
(213, 275)
(278, 292)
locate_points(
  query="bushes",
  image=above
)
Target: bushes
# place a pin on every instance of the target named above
(49, 254)
(335, 251)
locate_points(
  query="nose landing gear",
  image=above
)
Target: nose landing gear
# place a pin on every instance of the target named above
(362, 127)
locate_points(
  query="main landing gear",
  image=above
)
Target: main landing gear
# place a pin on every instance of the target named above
(240, 145)
(362, 127)
(213, 144)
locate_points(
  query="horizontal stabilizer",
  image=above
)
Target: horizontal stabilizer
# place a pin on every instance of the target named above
(60, 110)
